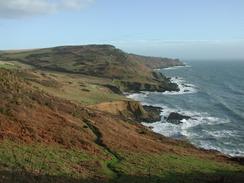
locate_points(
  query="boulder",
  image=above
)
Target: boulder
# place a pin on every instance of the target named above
(176, 118)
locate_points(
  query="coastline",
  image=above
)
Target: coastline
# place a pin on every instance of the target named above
(134, 96)
(86, 123)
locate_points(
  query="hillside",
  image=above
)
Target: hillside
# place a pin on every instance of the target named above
(61, 122)
(49, 139)
(129, 72)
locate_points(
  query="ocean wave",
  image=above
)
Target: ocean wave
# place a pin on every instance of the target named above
(185, 88)
(176, 67)
(182, 130)
(204, 137)
(138, 97)
(222, 133)
(229, 110)
(234, 88)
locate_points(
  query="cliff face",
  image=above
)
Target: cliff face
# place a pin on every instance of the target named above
(159, 86)
(131, 110)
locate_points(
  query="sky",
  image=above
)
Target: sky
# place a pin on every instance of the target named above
(185, 29)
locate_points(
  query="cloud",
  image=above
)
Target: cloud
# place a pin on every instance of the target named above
(23, 8)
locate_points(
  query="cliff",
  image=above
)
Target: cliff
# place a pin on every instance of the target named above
(131, 110)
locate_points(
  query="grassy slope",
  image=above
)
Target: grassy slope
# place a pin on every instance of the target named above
(96, 60)
(78, 88)
(86, 70)
(36, 147)
(82, 89)
(7, 65)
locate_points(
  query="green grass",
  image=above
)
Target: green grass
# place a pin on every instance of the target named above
(93, 94)
(78, 88)
(14, 65)
(6, 65)
(168, 162)
(21, 54)
(51, 160)
(172, 168)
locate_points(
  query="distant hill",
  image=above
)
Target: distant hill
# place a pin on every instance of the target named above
(98, 60)
(104, 61)
(156, 62)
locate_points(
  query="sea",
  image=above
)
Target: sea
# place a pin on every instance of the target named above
(212, 94)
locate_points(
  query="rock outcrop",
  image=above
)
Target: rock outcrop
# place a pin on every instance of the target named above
(176, 118)
(132, 110)
(133, 86)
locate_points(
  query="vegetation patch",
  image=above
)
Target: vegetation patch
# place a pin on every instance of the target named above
(7, 65)
(49, 160)
(176, 168)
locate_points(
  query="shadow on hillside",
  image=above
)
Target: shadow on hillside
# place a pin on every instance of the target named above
(218, 177)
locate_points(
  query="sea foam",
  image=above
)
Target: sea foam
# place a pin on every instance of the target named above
(185, 88)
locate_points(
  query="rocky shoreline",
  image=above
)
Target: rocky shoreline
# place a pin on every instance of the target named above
(176, 118)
